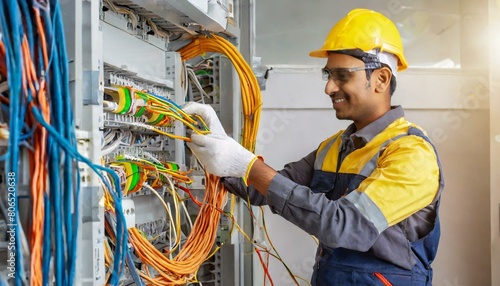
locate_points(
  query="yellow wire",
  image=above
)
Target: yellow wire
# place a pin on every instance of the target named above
(168, 113)
(250, 91)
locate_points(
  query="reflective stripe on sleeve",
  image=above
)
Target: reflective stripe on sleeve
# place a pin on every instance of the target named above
(368, 208)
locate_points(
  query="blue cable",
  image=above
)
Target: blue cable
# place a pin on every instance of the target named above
(47, 225)
(166, 99)
(133, 270)
(55, 198)
(22, 115)
(58, 81)
(60, 224)
(121, 231)
(12, 31)
(170, 102)
(28, 134)
(4, 157)
(71, 136)
(29, 24)
(56, 186)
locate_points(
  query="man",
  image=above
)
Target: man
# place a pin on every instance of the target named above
(370, 194)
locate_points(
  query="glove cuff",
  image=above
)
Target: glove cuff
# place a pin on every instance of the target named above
(249, 167)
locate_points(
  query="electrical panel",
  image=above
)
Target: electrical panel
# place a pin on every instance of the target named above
(128, 81)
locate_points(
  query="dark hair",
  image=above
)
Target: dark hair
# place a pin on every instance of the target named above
(392, 84)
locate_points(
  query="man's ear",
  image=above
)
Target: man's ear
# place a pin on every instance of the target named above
(382, 79)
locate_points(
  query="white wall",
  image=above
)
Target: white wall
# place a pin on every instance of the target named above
(451, 104)
(287, 30)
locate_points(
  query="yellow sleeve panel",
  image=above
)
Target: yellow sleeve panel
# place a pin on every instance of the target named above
(405, 180)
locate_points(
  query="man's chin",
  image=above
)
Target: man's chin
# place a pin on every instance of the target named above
(341, 116)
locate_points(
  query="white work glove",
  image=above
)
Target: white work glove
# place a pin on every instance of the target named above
(220, 154)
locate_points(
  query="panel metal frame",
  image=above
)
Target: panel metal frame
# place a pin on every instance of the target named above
(84, 48)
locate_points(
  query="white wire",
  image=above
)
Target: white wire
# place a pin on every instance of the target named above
(171, 226)
(169, 212)
(176, 202)
(196, 82)
(151, 158)
(4, 86)
(108, 136)
(109, 105)
(158, 32)
(184, 79)
(146, 141)
(120, 10)
(120, 172)
(190, 222)
(112, 147)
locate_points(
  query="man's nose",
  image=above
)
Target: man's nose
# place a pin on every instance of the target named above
(331, 87)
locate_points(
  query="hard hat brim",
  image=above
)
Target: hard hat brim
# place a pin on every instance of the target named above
(319, 53)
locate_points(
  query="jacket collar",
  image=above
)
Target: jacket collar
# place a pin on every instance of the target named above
(359, 138)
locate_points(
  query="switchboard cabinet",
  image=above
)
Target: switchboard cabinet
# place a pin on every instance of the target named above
(128, 83)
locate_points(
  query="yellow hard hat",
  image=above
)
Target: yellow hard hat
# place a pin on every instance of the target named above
(366, 30)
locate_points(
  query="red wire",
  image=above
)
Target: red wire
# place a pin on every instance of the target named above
(264, 266)
(190, 195)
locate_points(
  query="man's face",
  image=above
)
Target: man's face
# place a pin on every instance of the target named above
(353, 96)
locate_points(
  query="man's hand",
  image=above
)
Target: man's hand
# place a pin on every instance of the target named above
(220, 154)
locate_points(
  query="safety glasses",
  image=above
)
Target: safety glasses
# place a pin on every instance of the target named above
(340, 75)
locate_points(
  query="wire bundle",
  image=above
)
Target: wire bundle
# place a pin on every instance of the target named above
(198, 82)
(33, 60)
(250, 91)
(179, 267)
(251, 105)
(138, 171)
(40, 115)
(32, 82)
(185, 258)
(157, 111)
(154, 175)
(195, 250)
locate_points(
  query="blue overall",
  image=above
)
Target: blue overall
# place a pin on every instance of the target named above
(341, 266)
